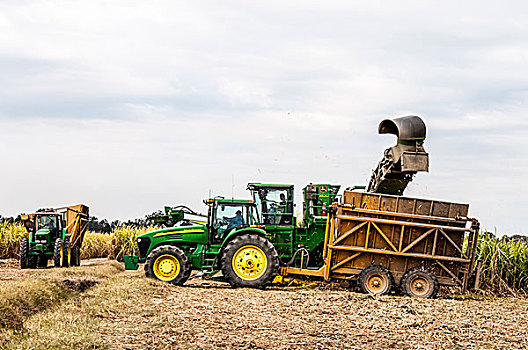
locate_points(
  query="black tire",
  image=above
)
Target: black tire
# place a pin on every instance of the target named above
(75, 258)
(419, 282)
(57, 250)
(42, 261)
(375, 279)
(65, 252)
(32, 261)
(24, 253)
(168, 256)
(316, 256)
(240, 252)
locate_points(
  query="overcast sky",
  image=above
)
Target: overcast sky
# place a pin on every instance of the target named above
(128, 106)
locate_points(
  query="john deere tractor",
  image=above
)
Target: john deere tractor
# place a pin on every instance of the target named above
(53, 233)
(245, 240)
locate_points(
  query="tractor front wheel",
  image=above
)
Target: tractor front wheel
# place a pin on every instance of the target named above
(375, 279)
(59, 255)
(249, 261)
(168, 264)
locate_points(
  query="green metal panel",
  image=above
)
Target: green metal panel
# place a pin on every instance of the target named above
(131, 262)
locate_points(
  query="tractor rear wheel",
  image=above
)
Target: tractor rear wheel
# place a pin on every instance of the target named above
(249, 261)
(375, 279)
(75, 257)
(419, 282)
(168, 264)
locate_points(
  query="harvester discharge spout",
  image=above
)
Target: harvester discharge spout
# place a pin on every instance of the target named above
(402, 161)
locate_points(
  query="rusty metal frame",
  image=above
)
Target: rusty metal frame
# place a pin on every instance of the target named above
(336, 269)
(467, 258)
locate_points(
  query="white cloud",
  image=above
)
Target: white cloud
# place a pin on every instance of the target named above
(135, 105)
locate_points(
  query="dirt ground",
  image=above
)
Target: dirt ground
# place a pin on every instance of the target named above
(128, 311)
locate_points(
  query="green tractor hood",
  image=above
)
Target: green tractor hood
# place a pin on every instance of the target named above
(195, 229)
(187, 235)
(42, 231)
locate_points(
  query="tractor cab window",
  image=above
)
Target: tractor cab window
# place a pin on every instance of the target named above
(275, 206)
(231, 216)
(47, 222)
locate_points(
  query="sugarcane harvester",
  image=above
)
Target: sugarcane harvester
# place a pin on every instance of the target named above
(377, 238)
(54, 233)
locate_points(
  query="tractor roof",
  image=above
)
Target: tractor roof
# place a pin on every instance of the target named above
(229, 201)
(43, 213)
(255, 185)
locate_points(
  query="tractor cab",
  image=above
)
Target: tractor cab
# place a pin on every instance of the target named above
(274, 203)
(226, 215)
(47, 225)
(44, 227)
(50, 222)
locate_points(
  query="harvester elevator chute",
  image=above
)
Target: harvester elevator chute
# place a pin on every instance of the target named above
(402, 161)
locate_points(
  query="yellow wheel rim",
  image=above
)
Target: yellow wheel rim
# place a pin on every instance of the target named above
(166, 267)
(376, 284)
(420, 286)
(249, 262)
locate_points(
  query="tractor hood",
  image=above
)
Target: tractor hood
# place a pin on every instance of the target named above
(42, 231)
(194, 229)
(192, 234)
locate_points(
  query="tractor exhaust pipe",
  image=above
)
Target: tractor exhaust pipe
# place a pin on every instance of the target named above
(402, 161)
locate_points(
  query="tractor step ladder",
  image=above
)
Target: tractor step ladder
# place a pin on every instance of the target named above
(209, 258)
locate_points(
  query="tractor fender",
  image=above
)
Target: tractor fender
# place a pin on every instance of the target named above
(236, 233)
(173, 243)
(243, 231)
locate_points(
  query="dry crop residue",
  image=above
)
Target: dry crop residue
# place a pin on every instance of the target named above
(204, 315)
(128, 311)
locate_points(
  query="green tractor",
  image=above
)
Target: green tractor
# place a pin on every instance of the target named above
(247, 240)
(53, 233)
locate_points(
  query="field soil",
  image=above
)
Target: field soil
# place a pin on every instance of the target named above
(99, 305)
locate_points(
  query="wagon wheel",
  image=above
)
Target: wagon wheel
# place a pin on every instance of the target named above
(420, 282)
(65, 257)
(375, 279)
(75, 258)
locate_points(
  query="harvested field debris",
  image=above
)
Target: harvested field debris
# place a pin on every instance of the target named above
(125, 310)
